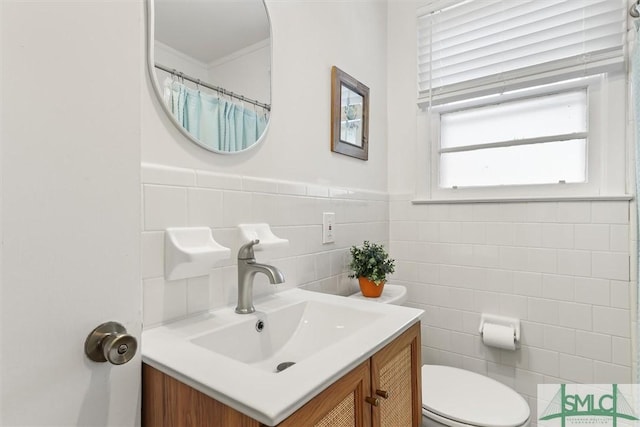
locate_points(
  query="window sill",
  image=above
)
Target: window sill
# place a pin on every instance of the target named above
(622, 197)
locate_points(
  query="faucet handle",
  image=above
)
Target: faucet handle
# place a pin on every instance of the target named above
(246, 250)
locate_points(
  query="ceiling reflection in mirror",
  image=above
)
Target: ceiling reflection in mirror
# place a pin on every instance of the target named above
(211, 65)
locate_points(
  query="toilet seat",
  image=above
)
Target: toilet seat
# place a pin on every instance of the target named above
(460, 398)
(442, 420)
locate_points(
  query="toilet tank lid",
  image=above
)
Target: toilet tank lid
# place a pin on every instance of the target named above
(471, 398)
(391, 294)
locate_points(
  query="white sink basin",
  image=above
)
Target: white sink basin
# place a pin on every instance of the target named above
(288, 334)
(223, 355)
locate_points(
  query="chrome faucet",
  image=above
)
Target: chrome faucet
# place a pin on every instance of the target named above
(247, 269)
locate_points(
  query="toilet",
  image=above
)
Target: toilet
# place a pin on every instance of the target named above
(456, 397)
(459, 398)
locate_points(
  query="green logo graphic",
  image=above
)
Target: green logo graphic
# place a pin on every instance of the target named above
(590, 407)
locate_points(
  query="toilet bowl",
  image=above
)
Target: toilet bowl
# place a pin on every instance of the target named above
(455, 397)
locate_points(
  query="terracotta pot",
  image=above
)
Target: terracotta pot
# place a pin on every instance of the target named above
(370, 289)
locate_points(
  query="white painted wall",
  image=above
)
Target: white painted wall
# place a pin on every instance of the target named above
(169, 57)
(308, 38)
(246, 72)
(403, 86)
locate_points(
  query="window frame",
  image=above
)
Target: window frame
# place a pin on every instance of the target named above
(606, 144)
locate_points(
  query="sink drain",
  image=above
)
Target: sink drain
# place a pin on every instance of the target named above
(284, 365)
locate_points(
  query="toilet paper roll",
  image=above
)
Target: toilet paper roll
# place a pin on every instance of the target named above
(498, 336)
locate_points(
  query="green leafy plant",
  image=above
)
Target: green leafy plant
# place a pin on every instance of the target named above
(372, 261)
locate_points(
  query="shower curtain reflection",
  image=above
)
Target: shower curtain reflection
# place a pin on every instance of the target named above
(217, 123)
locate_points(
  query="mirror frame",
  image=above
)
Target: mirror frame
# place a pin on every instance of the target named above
(341, 79)
(150, 11)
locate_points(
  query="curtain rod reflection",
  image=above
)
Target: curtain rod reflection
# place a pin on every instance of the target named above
(218, 89)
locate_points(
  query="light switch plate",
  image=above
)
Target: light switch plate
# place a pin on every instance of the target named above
(328, 227)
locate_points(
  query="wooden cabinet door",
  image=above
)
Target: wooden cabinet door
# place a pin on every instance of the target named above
(167, 402)
(395, 381)
(341, 405)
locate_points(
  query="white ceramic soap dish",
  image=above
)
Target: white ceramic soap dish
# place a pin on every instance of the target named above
(191, 252)
(262, 232)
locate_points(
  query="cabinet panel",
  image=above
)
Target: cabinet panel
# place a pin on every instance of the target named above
(166, 402)
(343, 415)
(395, 378)
(340, 405)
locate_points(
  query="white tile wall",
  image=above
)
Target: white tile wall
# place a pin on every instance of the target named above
(184, 197)
(561, 267)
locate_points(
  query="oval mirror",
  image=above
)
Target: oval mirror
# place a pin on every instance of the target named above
(210, 63)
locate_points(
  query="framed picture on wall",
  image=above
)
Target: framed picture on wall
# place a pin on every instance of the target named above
(349, 115)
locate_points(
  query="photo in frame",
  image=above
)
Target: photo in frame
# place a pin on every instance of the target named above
(349, 115)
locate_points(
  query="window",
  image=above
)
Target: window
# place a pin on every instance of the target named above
(517, 98)
(532, 141)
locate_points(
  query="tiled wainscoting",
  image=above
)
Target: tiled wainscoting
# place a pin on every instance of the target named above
(561, 267)
(174, 197)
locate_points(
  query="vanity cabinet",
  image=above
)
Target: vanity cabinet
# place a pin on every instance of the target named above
(383, 391)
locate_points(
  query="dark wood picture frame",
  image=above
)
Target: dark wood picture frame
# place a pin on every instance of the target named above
(350, 122)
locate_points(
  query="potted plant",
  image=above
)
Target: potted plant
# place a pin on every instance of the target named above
(370, 263)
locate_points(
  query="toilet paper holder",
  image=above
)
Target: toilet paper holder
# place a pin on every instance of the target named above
(501, 320)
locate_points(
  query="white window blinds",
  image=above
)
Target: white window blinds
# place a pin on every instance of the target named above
(480, 47)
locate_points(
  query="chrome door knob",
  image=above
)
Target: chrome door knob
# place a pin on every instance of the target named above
(111, 343)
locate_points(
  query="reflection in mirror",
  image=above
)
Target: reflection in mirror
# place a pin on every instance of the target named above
(211, 65)
(351, 117)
